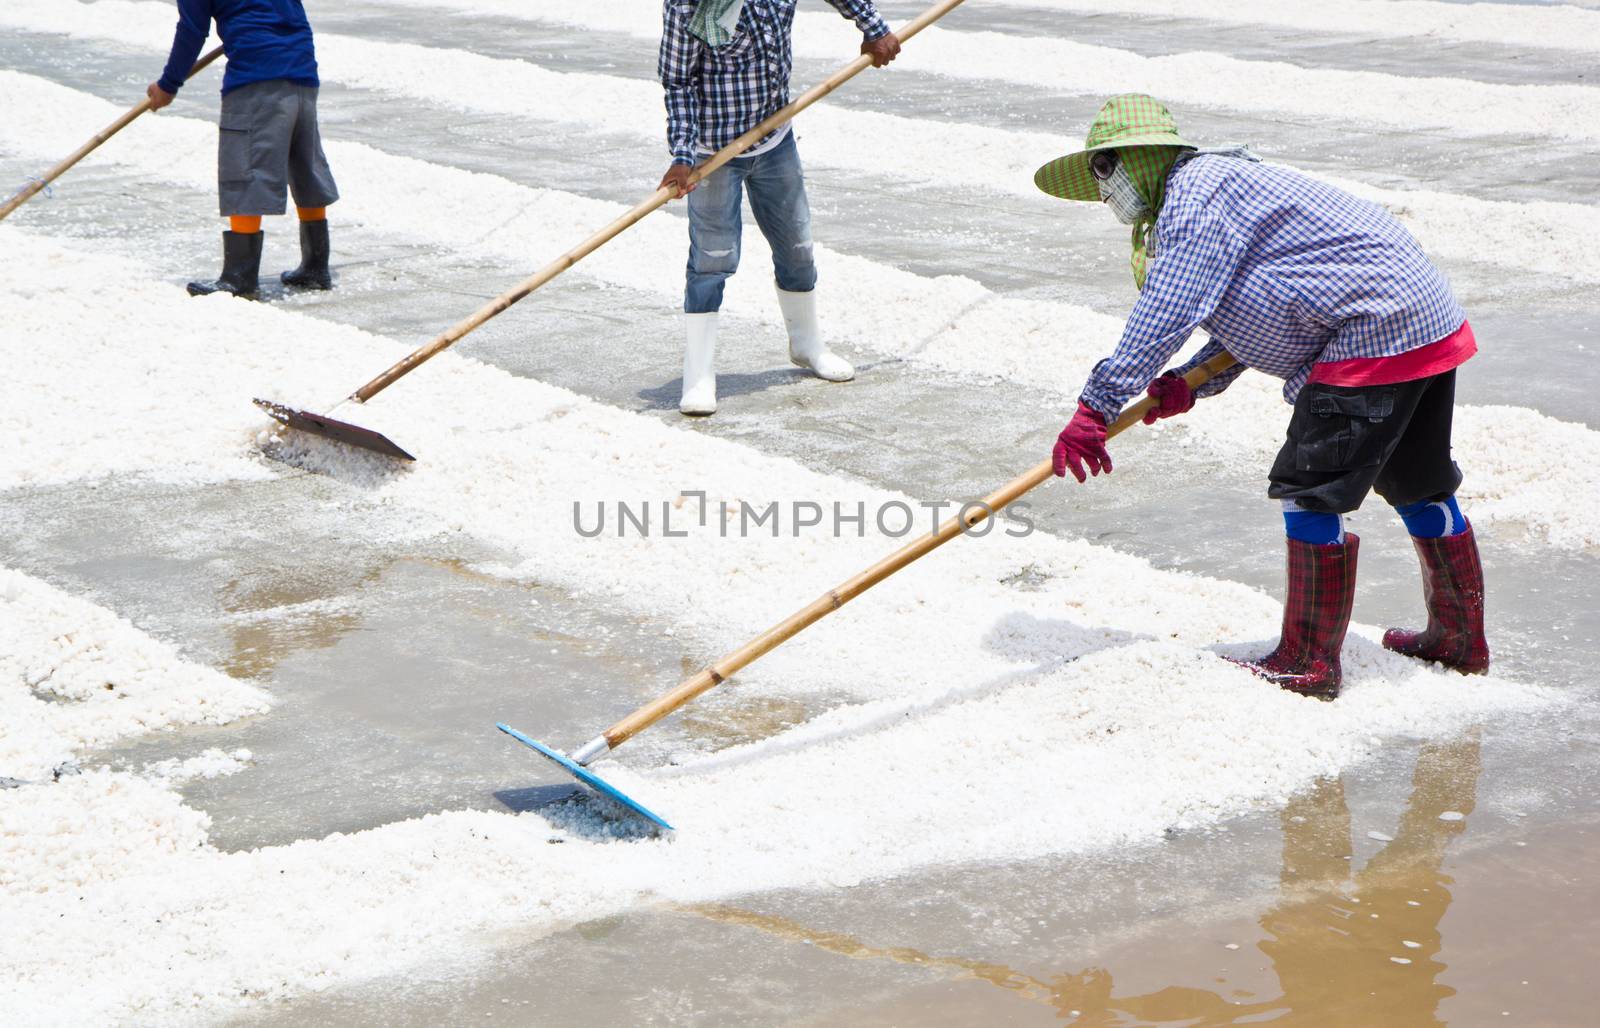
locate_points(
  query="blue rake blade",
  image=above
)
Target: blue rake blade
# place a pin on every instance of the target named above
(587, 777)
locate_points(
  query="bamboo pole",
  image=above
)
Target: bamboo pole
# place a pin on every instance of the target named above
(719, 671)
(444, 340)
(36, 186)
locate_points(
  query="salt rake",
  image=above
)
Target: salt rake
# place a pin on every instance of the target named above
(721, 670)
(38, 185)
(367, 439)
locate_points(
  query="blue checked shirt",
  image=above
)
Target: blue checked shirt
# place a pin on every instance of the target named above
(716, 95)
(1282, 271)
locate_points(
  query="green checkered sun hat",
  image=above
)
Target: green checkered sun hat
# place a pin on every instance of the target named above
(1132, 119)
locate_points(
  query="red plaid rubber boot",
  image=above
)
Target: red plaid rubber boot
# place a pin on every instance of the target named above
(1452, 587)
(1316, 613)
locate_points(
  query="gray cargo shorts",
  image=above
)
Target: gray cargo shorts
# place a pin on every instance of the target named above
(268, 143)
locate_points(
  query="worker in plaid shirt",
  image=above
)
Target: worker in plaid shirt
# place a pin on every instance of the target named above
(1328, 292)
(725, 67)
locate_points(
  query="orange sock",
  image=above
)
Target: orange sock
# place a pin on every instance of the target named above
(312, 213)
(245, 224)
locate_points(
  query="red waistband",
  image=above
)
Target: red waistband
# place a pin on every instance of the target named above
(1452, 351)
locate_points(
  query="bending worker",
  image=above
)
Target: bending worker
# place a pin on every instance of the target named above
(1327, 292)
(725, 67)
(268, 141)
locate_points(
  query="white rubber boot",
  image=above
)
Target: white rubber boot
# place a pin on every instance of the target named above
(806, 347)
(699, 364)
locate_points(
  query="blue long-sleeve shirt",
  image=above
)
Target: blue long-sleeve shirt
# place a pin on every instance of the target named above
(263, 39)
(1283, 271)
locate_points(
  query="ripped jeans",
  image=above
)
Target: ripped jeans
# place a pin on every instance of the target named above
(777, 199)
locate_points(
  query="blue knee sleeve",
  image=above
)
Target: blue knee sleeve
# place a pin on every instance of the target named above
(1428, 519)
(1312, 526)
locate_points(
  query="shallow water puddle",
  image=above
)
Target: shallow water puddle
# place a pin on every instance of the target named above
(268, 622)
(1326, 940)
(1464, 915)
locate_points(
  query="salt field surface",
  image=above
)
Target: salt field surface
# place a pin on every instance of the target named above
(249, 681)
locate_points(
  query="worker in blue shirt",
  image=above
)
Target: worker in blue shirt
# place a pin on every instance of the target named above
(269, 143)
(1303, 281)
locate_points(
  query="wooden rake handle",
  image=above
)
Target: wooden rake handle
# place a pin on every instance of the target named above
(831, 601)
(38, 185)
(450, 336)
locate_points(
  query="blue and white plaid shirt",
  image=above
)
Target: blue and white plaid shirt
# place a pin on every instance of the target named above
(1283, 271)
(716, 95)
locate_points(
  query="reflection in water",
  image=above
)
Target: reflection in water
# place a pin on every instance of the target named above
(1349, 948)
(1331, 955)
(847, 946)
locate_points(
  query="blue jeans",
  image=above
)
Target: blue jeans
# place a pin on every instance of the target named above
(778, 200)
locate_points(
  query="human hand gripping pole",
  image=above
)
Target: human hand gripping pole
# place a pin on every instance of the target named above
(1083, 441)
(721, 670)
(344, 432)
(38, 185)
(1172, 395)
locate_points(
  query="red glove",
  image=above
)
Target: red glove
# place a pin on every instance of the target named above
(1172, 395)
(1082, 442)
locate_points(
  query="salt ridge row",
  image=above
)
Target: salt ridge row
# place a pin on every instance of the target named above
(1544, 27)
(958, 325)
(1456, 105)
(907, 150)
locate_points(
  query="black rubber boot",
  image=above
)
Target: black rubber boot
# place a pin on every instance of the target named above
(241, 267)
(313, 271)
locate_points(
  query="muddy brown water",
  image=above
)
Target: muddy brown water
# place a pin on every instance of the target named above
(1421, 926)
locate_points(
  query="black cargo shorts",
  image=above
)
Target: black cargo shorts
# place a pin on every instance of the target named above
(268, 145)
(1345, 441)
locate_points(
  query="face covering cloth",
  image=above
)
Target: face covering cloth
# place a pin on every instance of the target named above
(1122, 196)
(1145, 170)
